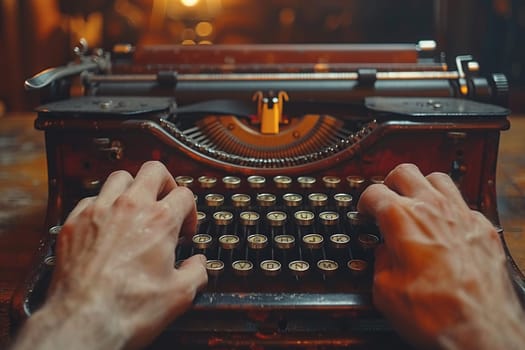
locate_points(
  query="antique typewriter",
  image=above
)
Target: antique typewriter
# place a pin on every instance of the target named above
(277, 143)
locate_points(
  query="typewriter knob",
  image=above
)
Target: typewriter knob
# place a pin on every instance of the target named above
(343, 200)
(256, 181)
(357, 267)
(304, 217)
(282, 181)
(276, 218)
(355, 182)
(257, 241)
(184, 181)
(214, 267)
(318, 199)
(327, 267)
(214, 199)
(229, 242)
(306, 181)
(55, 230)
(266, 199)
(207, 181)
(331, 181)
(340, 240)
(241, 200)
(231, 181)
(329, 218)
(292, 199)
(222, 218)
(368, 241)
(284, 241)
(313, 241)
(202, 241)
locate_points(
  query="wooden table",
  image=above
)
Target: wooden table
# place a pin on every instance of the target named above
(23, 196)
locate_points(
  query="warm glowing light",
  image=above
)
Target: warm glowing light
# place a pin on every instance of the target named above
(203, 29)
(188, 42)
(287, 16)
(205, 42)
(189, 3)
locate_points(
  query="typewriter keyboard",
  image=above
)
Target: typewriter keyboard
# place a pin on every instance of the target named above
(289, 231)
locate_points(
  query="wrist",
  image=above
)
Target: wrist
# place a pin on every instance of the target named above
(66, 324)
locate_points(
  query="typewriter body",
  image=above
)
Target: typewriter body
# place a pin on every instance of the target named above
(277, 143)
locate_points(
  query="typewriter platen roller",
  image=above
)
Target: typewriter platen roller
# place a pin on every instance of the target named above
(276, 175)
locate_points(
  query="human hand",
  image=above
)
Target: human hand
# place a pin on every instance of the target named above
(440, 276)
(115, 256)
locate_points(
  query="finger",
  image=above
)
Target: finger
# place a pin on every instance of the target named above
(116, 183)
(407, 180)
(184, 210)
(374, 198)
(444, 184)
(152, 182)
(81, 205)
(191, 275)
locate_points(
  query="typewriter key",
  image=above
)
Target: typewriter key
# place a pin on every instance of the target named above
(377, 179)
(201, 217)
(343, 200)
(256, 181)
(201, 241)
(222, 218)
(185, 181)
(368, 241)
(355, 182)
(355, 218)
(340, 240)
(241, 200)
(318, 199)
(298, 268)
(257, 241)
(55, 230)
(304, 217)
(276, 218)
(292, 199)
(270, 267)
(313, 241)
(229, 242)
(231, 181)
(214, 199)
(207, 181)
(357, 266)
(242, 267)
(249, 218)
(50, 260)
(306, 181)
(282, 181)
(327, 267)
(284, 241)
(331, 181)
(266, 199)
(214, 267)
(329, 218)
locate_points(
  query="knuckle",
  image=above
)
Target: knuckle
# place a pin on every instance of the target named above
(119, 174)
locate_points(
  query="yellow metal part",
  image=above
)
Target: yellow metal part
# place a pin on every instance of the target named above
(270, 111)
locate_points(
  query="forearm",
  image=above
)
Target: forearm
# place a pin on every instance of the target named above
(57, 326)
(487, 331)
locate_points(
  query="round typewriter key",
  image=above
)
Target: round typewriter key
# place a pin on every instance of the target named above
(282, 181)
(229, 242)
(222, 218)
(201, 241)
(357, 266)
(55, 230)
(242, 267)
(340, 240)
(214, 199)
(377, 179)
(276, 218)
(304, 217)
(284, 241)
(355, 182)
(266, 199)
(50, 260)
(306, 181)
(327, 267)
(343, 200)
(185, 181)
(231, 181)
(331, 181)
(313, 241)
(201, 217)
(249, 218)
(318, 199)
(329, 218)
(298, 268)
(241, 200)
(292, 199)
(257, 241)
(270, 267)
(256, 181)
(355, 218)
(207, 181)
(214, 267)
(368, 241)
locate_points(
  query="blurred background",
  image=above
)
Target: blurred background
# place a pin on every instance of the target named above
(37, 34)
